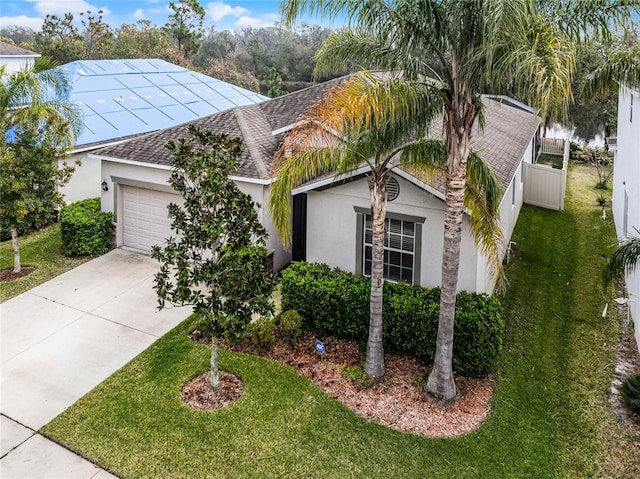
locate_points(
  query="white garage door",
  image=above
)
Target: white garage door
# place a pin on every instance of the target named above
(145, 217)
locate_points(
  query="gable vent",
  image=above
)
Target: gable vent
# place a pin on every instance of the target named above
(393, 188)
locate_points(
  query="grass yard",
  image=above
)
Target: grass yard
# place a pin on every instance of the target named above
(41, 250)
(555, 161)
(550, 416)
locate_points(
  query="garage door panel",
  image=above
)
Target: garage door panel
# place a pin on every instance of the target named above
(146, 220)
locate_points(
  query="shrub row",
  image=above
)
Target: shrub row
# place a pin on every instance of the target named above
(85, 229)
(335, 303)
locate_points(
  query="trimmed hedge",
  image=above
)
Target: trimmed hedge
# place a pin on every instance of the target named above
(335, 303)
(85, 229)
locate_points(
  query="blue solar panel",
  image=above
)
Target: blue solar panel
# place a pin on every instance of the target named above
(126, 97)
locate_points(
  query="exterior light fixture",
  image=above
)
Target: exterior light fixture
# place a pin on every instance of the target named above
(105, 187)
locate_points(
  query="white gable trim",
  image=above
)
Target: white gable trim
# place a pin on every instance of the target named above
(363, 170)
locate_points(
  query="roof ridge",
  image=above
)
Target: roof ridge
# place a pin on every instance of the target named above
(250, 139)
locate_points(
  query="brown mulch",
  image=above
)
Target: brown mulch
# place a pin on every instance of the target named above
(199, 394)
(396, 400)
(9, 275)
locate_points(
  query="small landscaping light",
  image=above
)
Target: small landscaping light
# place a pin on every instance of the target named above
(105, 187)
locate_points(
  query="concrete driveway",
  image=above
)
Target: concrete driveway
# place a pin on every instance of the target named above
(59, 341)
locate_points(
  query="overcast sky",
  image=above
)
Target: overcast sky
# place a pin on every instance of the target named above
(225, 15)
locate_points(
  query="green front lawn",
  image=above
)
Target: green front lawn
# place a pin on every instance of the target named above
(550, 416)
(41, 250)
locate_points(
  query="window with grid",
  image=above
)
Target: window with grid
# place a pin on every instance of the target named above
(399, 249)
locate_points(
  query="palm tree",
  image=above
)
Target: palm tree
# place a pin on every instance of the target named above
(624, 260)
(33, 103)
(37, 94)
(462, 49)
(362, 123)
(622, 66)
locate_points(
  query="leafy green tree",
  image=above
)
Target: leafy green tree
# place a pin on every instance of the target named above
(142, 40)
(274, 82)
(362, 123)
(226, 70)
(59, 39)
(218, 260)
(98, 36)
(38, 131)
(480, 47)
(185, 25)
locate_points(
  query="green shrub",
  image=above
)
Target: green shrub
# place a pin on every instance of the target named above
(290, 326)
(263, 333)
(331, 302)
(85, 229)
(355, 373)
(335, 303)
(630, 391)
(477, 340)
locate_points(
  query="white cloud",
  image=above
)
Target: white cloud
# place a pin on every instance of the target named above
(219, 10)
(256, 22)
(244, 22)
(35, 23)
(139, 14)
(76, 7)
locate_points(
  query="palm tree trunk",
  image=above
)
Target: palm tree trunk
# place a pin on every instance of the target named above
(374, 362)
(441, 383)
(16, 250)
(215, 378)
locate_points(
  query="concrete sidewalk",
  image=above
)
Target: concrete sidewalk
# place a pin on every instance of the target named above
(59, 341)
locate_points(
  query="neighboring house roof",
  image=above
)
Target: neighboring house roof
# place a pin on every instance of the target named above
(121, 98)
(508, 131)
(255, 124)
(8, 50)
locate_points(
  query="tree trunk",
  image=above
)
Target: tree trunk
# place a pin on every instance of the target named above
(16, 250)
(215, 378)
(374, 362)
(441, 383)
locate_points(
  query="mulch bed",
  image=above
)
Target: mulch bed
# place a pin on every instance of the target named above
(9, 275)
(397, 400)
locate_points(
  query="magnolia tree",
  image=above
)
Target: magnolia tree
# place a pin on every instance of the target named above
(217, 261)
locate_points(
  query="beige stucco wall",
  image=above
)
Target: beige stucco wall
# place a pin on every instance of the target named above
(157, 177)
(86, 180)
(331, 229)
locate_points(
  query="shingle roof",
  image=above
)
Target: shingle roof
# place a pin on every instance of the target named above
(8, 50)
(506, 136)
(120, 98)
(503, 142)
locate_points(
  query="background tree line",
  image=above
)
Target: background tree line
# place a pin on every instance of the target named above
(270, 60)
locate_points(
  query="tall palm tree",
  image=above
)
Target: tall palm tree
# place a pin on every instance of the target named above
(462, 49)
(362, 122)
(34, 105)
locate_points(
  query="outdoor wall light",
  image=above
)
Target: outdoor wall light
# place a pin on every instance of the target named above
(105, 187)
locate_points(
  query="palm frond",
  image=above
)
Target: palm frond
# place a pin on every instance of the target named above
(582, 19)
(625, 259)
(296, 170)
(538, 63)
(623, 66)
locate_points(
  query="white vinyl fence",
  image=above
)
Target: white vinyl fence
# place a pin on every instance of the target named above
(544, 185)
